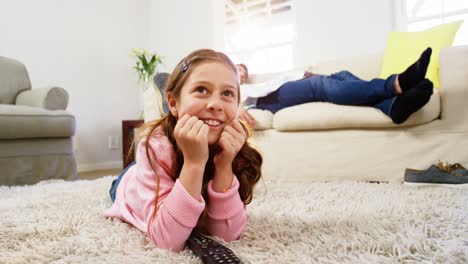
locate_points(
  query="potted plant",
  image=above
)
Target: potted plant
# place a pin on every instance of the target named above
(146, 66)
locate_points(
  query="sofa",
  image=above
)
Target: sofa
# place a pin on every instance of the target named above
(324, 142)
(35, 129)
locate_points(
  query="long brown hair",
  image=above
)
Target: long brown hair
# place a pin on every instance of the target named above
(246, 165)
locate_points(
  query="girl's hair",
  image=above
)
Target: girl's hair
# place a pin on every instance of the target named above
(247, 163)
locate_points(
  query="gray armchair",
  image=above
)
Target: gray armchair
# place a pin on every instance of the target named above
(35, 130)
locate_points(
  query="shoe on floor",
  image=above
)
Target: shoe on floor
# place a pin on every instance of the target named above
(440, 174)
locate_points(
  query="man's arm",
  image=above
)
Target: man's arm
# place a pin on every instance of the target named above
(245, 116)
(308, 74)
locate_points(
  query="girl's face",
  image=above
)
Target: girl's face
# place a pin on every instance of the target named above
(210, 93)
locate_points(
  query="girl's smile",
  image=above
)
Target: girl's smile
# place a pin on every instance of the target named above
(212, 123)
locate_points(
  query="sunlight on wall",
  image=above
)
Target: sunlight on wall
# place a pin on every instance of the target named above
(260, 34)
(423, 14)
(267, 49)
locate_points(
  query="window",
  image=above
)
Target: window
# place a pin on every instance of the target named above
(422, 14)
(260, 33)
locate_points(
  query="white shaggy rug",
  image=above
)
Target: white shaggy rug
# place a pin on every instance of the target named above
(338, 222)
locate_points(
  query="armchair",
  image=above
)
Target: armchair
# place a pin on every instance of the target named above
(35, 130)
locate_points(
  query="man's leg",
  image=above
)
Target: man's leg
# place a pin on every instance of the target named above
(293, 93)
(345, 88)
(400, 108)
(269, 102)
(345, 76)
(356, 92)
(301, 91)
(416, 72)
(328, 89)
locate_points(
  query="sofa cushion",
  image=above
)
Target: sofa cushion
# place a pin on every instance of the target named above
(263, 119)
(32, 122)
(320, 115)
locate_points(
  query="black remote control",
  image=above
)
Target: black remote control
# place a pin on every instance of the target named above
(209, 250)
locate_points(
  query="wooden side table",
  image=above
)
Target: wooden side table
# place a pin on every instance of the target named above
(128, 133)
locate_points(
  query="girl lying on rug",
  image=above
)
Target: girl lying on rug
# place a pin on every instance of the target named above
(194, 167)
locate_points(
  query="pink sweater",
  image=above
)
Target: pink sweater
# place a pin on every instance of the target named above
(178, 211)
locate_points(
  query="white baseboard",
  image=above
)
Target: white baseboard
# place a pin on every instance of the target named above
(99, 166)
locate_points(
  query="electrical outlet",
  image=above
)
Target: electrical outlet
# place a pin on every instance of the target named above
(114, 142)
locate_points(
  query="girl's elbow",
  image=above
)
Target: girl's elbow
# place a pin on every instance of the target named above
(229, 234)
(167, 242)
(232, 236)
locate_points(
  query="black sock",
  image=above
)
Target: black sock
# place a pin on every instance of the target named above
(413, 100)
(416, 72)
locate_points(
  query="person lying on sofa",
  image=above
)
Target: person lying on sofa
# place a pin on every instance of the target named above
(398, 96)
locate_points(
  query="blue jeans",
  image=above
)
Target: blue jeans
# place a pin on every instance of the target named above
(115, 183)
(340, 88)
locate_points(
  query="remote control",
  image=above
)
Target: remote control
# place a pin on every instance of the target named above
(209, 250)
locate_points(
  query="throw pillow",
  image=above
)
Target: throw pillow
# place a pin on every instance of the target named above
(404, 48)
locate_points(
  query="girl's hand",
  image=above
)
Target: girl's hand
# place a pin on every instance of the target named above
(231, 141)
(191, 135)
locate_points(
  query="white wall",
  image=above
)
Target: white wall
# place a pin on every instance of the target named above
(335, 28)
(179, 27)
(83, 46)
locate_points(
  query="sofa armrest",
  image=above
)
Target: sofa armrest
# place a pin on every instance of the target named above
(453, 75)
(51, 98)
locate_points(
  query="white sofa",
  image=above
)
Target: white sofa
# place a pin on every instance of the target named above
(323, 142)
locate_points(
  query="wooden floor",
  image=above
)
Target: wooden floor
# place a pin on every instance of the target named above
(91, 175)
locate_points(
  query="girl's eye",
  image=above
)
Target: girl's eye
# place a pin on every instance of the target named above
(228, 93)
(201, 89)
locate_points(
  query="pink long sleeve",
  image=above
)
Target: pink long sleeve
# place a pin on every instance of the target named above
(227, 215)
(178, 211)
